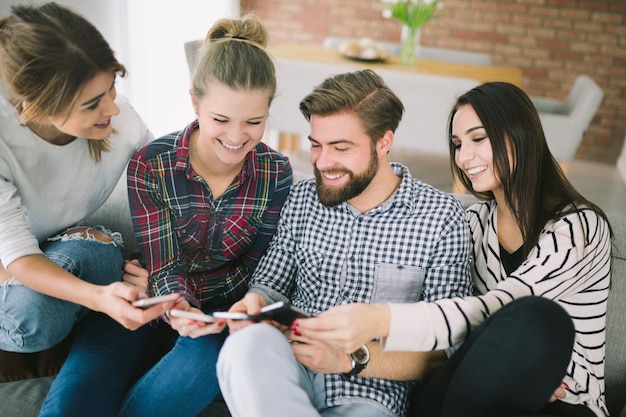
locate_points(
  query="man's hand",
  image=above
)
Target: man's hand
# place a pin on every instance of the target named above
(347, 327)
(250, 304)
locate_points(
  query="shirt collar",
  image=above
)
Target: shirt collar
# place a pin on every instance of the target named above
(405, 194)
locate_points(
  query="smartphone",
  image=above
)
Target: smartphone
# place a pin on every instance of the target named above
(231, 315)
(148, 302)
(191, 315)
(282, 312)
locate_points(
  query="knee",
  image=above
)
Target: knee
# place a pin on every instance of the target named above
(549, 323)
(35, 335)
(242, 348)
(88, 233)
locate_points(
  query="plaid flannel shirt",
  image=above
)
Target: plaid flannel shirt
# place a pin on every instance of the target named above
(191, 243)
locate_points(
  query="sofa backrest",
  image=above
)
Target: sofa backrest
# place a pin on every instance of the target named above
(615, 371)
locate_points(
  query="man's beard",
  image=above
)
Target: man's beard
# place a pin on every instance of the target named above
(333, 196)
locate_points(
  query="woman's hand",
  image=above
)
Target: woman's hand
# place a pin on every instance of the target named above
(194, 328)
(115, 300)
(346, 327)
(559, 393)
(136, 275)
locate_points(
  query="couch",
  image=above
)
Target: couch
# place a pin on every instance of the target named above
(23, 397)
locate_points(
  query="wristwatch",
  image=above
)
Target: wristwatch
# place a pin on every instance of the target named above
(359, 359)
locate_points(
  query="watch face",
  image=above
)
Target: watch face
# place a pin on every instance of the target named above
(361, 356)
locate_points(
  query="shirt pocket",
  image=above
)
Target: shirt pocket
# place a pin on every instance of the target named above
(308, 277)
(238, 235)
(396, 283)
(192, 233)
(211, 237)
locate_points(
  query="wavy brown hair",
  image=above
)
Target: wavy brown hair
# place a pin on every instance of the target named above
(47, 55)
(363, 92)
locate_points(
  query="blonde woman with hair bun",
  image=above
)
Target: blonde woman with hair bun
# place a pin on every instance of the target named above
(205, 203)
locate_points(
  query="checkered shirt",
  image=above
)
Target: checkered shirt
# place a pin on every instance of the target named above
(415, 246)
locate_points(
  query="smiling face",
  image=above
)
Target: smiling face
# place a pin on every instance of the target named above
(91, 116)
(344, 159)
(473, 152)
(231, 124)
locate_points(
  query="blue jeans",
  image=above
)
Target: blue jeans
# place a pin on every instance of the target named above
(31, 321)
(103, 363)
(182, 383)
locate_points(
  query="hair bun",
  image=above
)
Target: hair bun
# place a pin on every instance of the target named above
(248, 28)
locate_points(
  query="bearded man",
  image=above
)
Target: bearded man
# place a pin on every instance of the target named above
(364, 230)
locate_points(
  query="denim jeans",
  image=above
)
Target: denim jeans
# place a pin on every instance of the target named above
(182, 383)
(31, 321)
(104, 362)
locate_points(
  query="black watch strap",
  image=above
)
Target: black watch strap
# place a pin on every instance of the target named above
(360, 359)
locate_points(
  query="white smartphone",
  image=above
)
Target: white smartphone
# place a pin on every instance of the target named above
(147, 302)
(191, 315)
(232, 315)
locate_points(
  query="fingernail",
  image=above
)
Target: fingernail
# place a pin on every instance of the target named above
(297, 333)
(564, 385)
(221, 322)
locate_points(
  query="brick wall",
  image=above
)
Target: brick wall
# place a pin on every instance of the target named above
(550, 40)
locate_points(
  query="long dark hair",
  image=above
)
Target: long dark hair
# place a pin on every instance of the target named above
(535, 187)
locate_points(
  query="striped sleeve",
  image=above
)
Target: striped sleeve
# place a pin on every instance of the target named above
(571, 260)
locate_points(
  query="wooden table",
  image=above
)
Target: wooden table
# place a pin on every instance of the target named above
(317, 53)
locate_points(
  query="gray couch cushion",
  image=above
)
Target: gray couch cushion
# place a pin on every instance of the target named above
(616, 321)
(115, 215)
(23, 398)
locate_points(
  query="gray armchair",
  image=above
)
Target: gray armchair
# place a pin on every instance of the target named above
(565, 121)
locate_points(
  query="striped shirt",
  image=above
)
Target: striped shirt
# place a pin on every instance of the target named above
(570, 265)
(414, 246)
(191, 243)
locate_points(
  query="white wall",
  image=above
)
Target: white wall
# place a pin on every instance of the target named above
(158, 73)
(621, 163)
(147, 37)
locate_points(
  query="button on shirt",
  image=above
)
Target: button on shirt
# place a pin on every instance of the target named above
(193, 244)
(415, 246)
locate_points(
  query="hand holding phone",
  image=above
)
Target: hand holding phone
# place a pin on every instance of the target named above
(148, 302)
(191, 315)
(281, 312)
